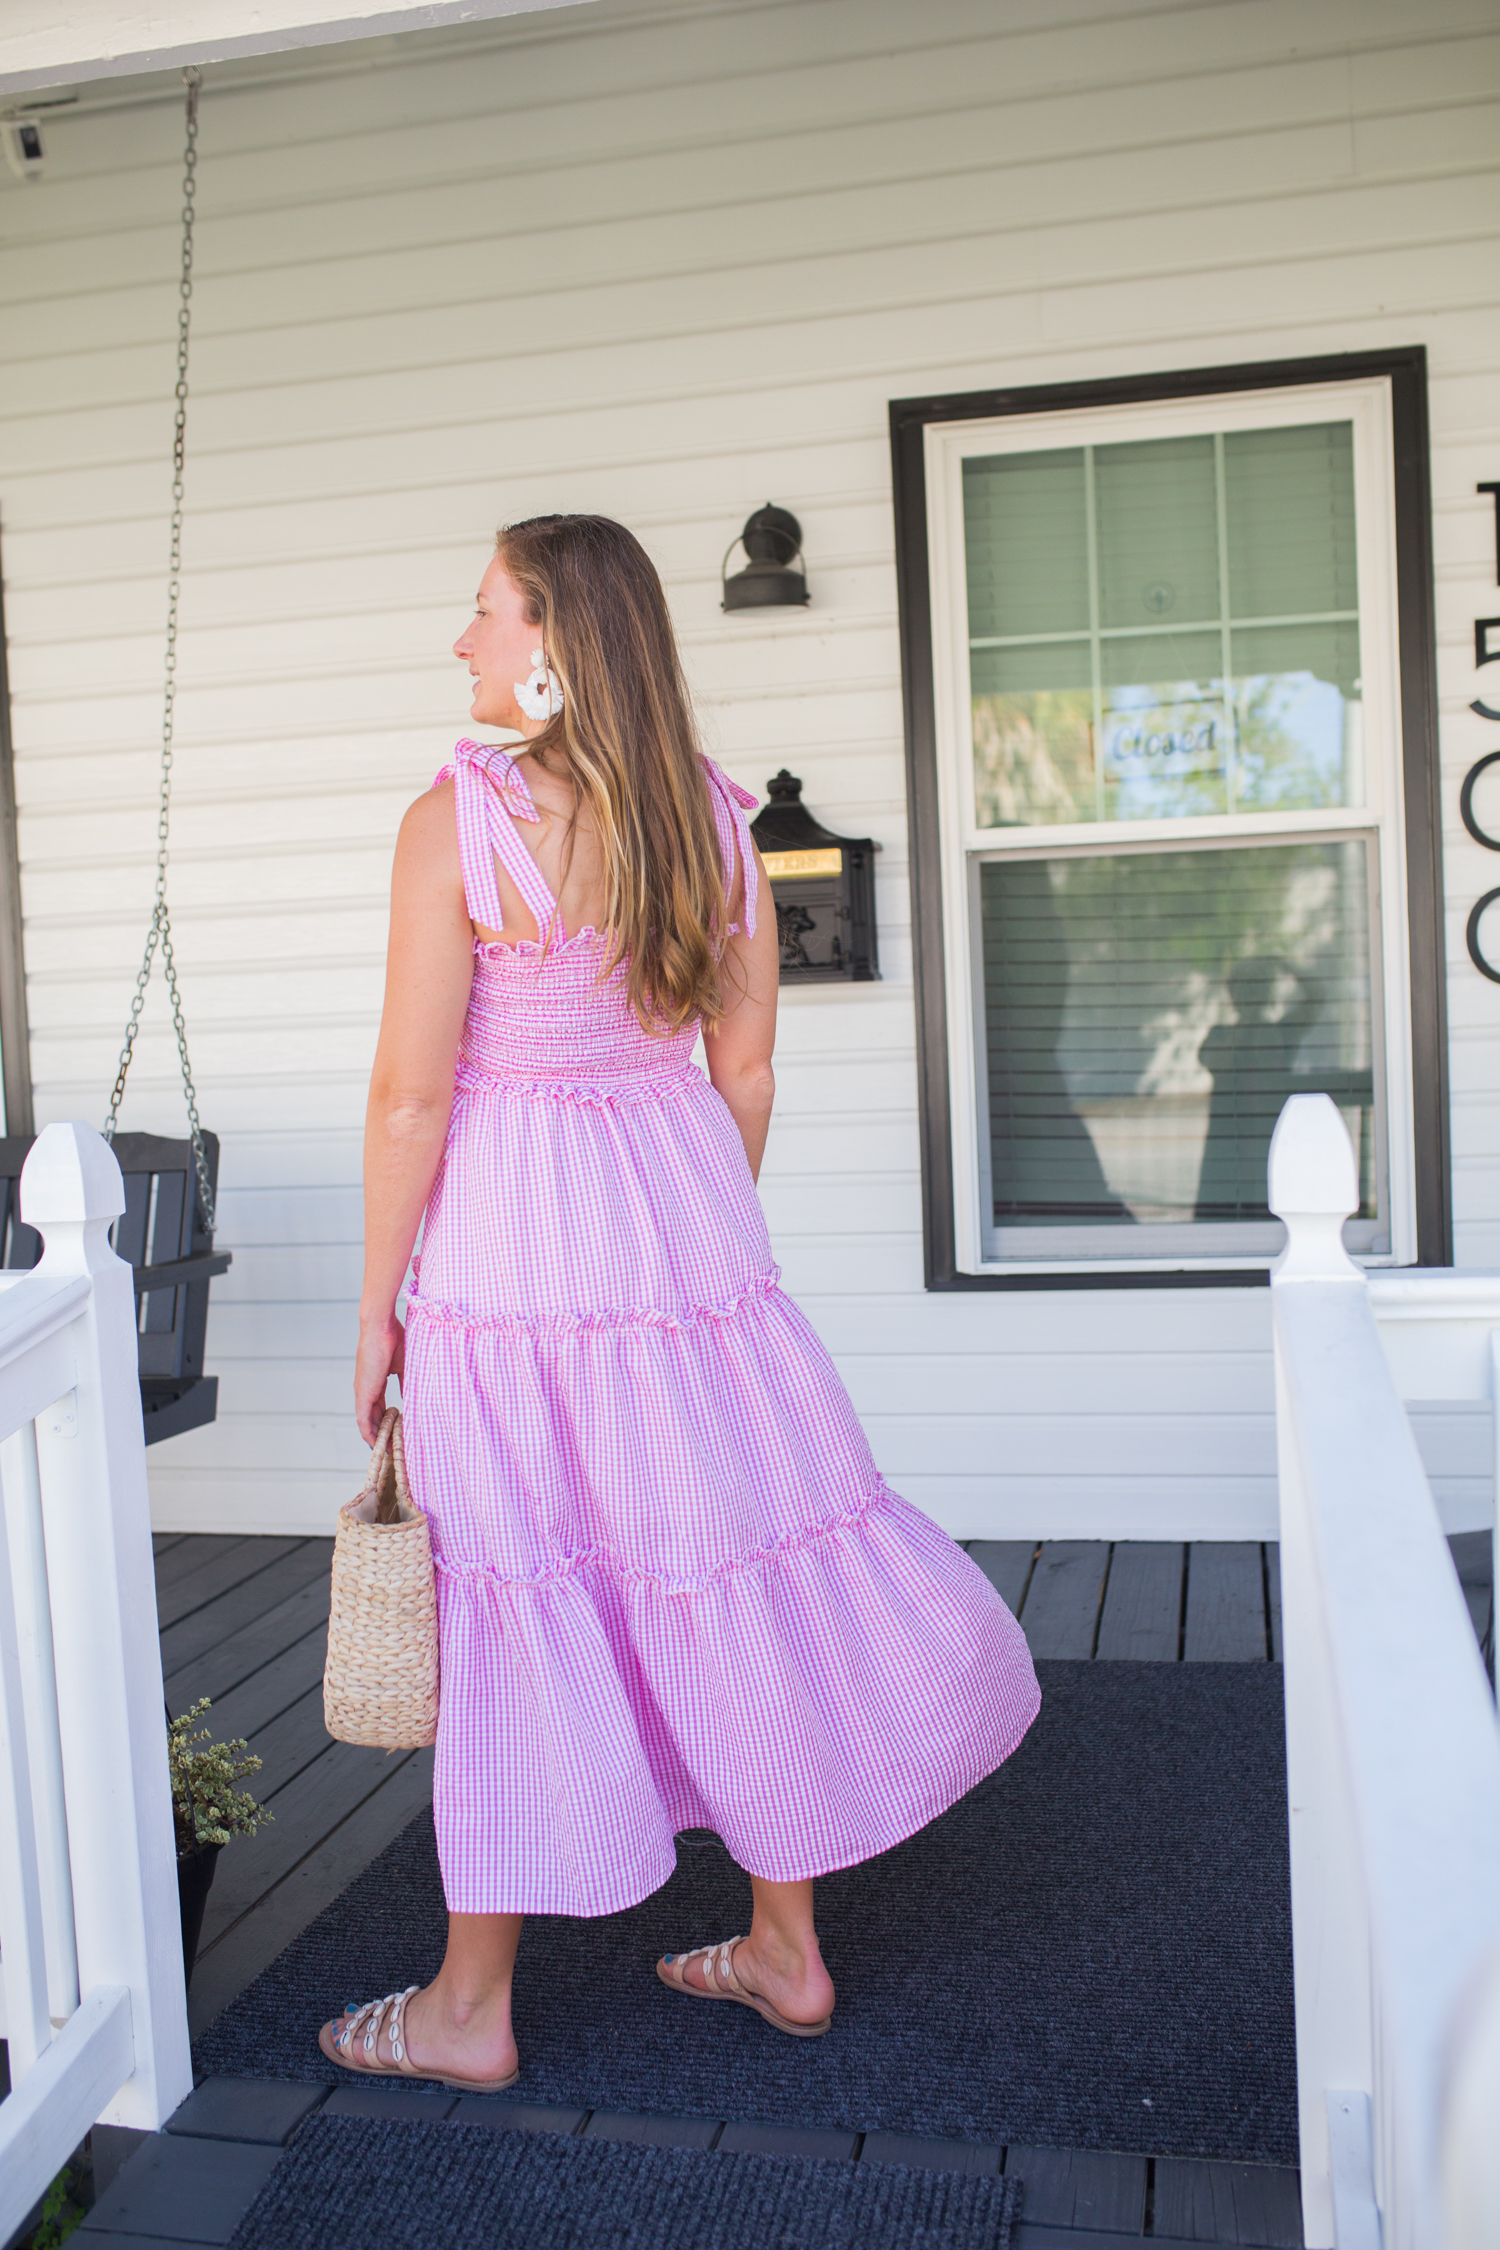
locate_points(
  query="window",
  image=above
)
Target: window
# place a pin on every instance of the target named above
(1165, 821)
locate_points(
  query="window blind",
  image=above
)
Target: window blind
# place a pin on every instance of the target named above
(1147, 1014)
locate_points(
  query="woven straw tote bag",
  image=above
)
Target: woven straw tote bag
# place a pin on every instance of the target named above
(380, 1682)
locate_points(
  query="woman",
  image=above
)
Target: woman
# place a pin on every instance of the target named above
(673, 1589)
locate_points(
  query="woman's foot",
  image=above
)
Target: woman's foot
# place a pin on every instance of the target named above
(468, 2039)
(787, 1985)
(795, 1982)
(421, 2034)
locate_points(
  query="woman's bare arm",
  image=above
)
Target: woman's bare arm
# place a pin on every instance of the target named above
(429, 969)
(740, 1045)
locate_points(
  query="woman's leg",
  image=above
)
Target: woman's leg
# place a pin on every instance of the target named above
(780, 1958)
(461, 2023)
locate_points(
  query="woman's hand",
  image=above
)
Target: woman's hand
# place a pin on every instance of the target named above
(381, 1354)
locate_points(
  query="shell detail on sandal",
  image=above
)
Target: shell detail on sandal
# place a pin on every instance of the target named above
(364, 2024)
(721, 1983)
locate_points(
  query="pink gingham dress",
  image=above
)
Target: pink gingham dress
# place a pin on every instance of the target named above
(673, 1588)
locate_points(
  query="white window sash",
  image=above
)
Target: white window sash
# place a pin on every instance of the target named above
(1366, 405)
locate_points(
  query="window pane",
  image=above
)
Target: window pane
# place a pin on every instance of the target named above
(1298, 706)
(1158, 531)
(1026, 541)
(1199, 654)
(1168, 727)
(1290, 496)
(1033, 666)
(1147, 1015)
(1033, 733)
(1326, 652)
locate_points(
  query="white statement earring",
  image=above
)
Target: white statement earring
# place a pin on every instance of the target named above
(540, 697)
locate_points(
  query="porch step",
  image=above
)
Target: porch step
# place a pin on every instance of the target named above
(206, 2175)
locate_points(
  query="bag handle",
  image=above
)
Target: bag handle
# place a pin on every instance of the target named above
(386, 1475)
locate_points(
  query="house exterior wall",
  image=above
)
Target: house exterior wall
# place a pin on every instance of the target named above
(667, 263)
(121, 38)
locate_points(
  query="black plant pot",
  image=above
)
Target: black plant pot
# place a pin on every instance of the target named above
(195, 1875)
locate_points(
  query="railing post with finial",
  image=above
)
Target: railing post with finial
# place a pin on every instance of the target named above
(102, 1596)
(1312, 1188)
(1393, 1762)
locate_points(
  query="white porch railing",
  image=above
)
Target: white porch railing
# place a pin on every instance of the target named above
(1440, 1328)
(1393, 1756)
(90, 1934)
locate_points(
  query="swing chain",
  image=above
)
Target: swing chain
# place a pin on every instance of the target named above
(160, 932)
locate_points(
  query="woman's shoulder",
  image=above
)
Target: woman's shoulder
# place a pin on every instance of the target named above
(429, 828)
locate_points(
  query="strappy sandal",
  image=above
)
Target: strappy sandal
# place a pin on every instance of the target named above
(721, 1983)
(336, 2041)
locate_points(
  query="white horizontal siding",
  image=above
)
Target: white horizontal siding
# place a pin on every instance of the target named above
(667, 263)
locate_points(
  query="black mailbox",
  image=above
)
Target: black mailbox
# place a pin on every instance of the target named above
(824, 888)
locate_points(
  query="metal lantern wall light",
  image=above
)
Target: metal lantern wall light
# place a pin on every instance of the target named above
(824, 888)
(772, 538)
(823, 884)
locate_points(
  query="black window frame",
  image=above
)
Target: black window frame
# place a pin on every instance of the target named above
(1406, 370)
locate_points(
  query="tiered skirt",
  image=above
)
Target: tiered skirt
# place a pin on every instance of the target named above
(673, 1589)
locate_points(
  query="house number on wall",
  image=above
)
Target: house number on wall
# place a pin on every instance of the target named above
(1483, 654)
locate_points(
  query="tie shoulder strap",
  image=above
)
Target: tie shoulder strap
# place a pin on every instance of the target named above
(732, 806)
(487, 789)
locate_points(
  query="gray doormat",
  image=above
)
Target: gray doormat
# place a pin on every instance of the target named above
(1091, 1950)
(447, 2187)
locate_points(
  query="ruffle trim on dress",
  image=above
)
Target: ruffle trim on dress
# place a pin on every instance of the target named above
(597, 1093)
(877, 1501)
(571, 1324)
(496, 949)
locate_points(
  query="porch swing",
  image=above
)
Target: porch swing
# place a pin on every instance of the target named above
(166, 1232)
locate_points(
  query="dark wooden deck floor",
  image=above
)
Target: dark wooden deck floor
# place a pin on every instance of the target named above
(1145, 1600)
(243, 1621)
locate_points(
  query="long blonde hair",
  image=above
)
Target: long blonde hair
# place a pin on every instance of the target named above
(627, 740)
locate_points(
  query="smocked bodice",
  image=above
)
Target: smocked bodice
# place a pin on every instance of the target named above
(545, 1020)
(539, 1014)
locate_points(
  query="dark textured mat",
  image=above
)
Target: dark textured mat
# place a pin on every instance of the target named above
(1091, 1950)
(447, 2187)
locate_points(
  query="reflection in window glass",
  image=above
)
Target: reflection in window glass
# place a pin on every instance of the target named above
(1147, 1015)
(1164, 628)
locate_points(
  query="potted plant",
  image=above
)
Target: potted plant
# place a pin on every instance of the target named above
(208, 1808)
